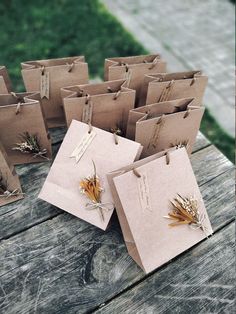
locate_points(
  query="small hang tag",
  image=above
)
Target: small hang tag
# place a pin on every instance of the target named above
(127, 77)
(44, 85)
(87, 112)
(144, 193)
(83, 145)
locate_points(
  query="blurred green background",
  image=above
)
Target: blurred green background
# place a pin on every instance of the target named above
(41, 29)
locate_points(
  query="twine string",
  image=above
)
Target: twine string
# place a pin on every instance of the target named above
(156, 132)
(165, 95)
(70, 66)
(101, 207)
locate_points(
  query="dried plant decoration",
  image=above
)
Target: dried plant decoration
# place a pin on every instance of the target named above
(4, 191)
(30, 145)
(180, 144)
(92, 189)
(185, 212)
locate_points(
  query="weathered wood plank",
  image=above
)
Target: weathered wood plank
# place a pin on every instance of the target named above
(57, 134)
(65, 265)
(201, 281)
(201, 142)
(209, 163)
(23, 214)
(30, 211)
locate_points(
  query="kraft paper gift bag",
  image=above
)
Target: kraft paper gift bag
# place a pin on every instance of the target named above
(160, 208)
(77, 180)
(10, 188)
(48, 77)
(105, 105)
(163, 125)
(5, 82)
(133, 69)
(169, 86)
(23, 130)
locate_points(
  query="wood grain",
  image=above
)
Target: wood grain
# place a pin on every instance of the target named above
(65, 265)
(200, 281)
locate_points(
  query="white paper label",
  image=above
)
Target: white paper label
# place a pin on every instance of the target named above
(87, 112)
(83, 145)
(127, 77)
(44, 85)
(144, 193)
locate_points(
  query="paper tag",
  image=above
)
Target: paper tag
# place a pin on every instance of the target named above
(83, 145)
(156, 132)
(144, 193)
(44, 85)
(127, 77)
(87, 112)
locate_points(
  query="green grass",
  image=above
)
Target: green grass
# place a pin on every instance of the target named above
(217, 136)
(42, 29)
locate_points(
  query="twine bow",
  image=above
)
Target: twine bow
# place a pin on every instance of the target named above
(100, 207)
(92, 189)
(8, 194)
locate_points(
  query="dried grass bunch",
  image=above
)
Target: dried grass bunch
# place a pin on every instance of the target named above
(30, 145)
(4, 191)
(92, 189)
(186, 212)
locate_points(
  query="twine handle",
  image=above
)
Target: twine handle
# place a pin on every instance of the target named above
(136, 173)
(167, 158)
(18, 108)
(90, 127)
(187, 113)
(154, 62)
(70, 66)
(117, 94)
(42, 69)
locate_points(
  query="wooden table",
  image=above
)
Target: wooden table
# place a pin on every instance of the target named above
(52, 262)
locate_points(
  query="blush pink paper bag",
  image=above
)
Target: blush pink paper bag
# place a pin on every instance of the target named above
(91, 147)
(163, 125)
(169, 86)
(143, 193)
(133, 69)
(10, 188)
(48, 77)
(105, 105)
(21, 113)
(5, 82)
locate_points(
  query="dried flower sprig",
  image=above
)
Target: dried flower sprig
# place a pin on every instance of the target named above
(30, 145)
(92, 188)
(185, 212)
(5, 192)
